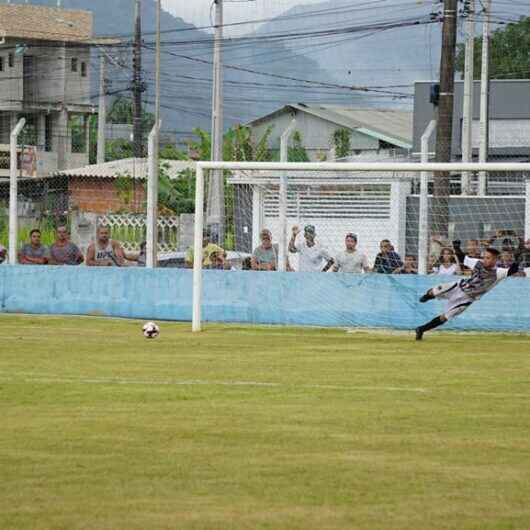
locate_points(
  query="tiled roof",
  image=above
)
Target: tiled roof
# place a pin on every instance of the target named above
(44, 23)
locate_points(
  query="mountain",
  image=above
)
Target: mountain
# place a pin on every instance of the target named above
(187, 72)
(393, 58)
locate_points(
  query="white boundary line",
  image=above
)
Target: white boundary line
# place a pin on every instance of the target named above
(51, 379)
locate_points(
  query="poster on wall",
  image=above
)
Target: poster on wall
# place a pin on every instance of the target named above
(28, 161)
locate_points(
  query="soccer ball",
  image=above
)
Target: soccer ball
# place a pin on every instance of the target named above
(151, 330)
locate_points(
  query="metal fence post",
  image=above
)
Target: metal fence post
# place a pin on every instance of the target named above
(13, 192)
(197, 249)
(284, 155)
(151, 248)
(423, 234)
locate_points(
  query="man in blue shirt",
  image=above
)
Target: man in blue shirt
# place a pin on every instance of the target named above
(388, 260)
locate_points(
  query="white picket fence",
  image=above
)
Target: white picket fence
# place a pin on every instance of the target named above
(130, 230)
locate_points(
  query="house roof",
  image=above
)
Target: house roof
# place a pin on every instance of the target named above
(390, 125)
(135, 168)
(44, 23)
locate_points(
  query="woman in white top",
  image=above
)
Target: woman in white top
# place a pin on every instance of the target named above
(447, 265)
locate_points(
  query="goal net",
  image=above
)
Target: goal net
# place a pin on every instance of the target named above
(355, 244)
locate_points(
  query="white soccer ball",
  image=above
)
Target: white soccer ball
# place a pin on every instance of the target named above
(151, 330)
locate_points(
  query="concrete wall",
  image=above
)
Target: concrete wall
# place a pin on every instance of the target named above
(316, 133)
(49, 80)
(338, 300)
(11, 78)
(47, 75)
(509, 100)
(78, 87)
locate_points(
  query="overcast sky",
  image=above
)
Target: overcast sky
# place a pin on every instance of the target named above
(198, 11)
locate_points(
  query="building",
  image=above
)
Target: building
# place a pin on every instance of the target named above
(509, 108)
(45, 78)
(373, 131)
(112, 186)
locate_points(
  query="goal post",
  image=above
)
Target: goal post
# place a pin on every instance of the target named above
(279, 176)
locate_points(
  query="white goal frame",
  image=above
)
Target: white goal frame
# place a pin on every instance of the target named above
(424, 168)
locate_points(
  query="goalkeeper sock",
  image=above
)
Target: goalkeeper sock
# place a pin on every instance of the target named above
(434, 323)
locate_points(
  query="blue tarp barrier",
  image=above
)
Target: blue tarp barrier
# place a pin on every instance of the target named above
(316, 299)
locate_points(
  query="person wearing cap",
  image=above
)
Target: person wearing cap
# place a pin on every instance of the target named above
(208, 249)
(313, 256)
(264, 257)
(352, 259)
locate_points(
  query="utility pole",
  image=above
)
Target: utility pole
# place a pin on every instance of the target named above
(152, 160)
(157, 68)
(102, 110)
(467, 114)
(484, 97)
(137, 86)
(215, 202)
(444, 130)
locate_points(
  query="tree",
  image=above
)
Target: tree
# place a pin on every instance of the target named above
(121, 111)
(509, 57)
(342, 142)
(297, 152)
(118, 149)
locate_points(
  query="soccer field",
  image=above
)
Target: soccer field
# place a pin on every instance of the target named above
(260, 428)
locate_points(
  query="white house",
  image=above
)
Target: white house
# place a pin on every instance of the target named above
(373, 131)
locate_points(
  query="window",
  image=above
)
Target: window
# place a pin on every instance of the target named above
(48, 133)
(78, 127)
(29, 134)
(74, 64)
(83, 69)
(11, 60)
(1, 64)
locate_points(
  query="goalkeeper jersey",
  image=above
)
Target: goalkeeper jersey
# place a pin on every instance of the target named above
(482, 279)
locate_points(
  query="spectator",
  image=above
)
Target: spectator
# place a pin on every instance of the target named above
(218, 261)
(506, 259)
(105, 252)
(351, 260)
(431, 264)
(438, 243)
(387, 261)
(409, 267)
(63, 251)
(524, 256)
(3, 254)
(34, 253)
(207, 250)
(473, 249)
(447, 264)
(313, 256)
(246, 265)
(264, 257)
(140, 257)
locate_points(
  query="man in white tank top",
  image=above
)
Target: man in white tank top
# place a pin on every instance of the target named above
(105, 252)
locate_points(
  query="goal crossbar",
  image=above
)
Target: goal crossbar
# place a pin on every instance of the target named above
(424, 168)
(370, 166)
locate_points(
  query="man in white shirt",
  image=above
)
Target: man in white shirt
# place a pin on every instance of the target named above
(313, 257)
(351, 260)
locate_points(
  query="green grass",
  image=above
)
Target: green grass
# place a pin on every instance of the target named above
(260, 428)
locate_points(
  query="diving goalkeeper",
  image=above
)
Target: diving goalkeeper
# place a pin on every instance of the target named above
(461, 294)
